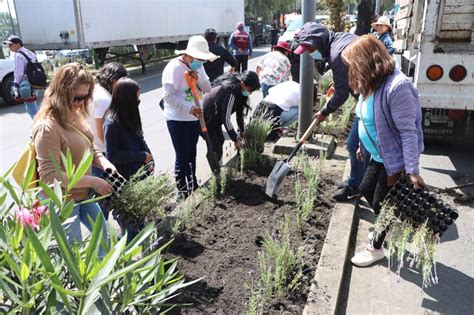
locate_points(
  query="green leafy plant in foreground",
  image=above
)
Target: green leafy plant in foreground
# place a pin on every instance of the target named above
(42, 273)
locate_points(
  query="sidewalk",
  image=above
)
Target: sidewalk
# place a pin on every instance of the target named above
(374, 290)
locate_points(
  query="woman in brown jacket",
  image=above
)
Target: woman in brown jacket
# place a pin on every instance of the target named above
(61, 125)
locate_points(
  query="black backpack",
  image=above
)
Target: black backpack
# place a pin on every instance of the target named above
(34, 72)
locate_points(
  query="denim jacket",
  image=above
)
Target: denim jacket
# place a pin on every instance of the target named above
(397, 112)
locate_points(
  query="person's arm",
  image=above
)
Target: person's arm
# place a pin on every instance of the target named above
(228, 57)
(99, 125)
(172, 100)
(226, 102)
(231, 42)
(203, 81)
(404, 105)
(341, 84)
(100, 108)
(19, 68)
(387, 40)
(113, 138)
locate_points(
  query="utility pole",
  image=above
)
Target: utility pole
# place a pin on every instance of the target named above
(305, 115)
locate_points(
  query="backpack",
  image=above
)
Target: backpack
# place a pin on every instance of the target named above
(34, 72)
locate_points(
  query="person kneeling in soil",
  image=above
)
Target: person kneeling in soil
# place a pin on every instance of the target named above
(229, 95)
(124, 142)
(282, 105)
(389, 115)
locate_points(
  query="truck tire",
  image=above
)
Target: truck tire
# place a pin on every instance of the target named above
(6, 94)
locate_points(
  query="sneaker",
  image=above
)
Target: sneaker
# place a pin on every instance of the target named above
(346, 193)
(368, 256)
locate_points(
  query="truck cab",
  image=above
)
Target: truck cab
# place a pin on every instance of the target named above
(436, 42)
(6, 77)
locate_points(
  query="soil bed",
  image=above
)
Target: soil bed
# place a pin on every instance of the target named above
(223, 244)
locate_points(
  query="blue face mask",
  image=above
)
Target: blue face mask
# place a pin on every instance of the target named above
(245, 93)
(316, 55)
(195, 64)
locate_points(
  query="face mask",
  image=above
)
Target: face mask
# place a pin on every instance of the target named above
(316, 55)
(245, 93)
(195, 64)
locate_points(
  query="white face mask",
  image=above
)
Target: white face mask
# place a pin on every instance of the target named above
(316, 55)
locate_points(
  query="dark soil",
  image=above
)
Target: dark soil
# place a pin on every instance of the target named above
(223, 245)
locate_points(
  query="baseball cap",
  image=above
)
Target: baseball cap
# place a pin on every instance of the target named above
(302, 48)
(13, 39)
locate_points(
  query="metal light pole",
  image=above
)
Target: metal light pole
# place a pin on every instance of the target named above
(306, 74)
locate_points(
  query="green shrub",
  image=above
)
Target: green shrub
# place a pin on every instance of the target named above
(40, 272)
(256, 133)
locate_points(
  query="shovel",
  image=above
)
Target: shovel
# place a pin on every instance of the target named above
(211, 157)
(282, 167)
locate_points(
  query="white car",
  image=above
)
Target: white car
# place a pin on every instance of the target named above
(6, 76)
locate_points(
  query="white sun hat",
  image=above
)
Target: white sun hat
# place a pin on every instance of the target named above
(198, 48)
(383, 20)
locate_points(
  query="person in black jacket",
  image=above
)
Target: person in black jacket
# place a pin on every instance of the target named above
(229, 95)
(124, 143)
(319, 42)
(216, 67)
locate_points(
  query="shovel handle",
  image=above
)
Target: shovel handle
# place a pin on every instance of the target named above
(302, 140)
(192, 84)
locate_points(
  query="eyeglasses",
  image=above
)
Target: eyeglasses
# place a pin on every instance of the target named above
(80, 98)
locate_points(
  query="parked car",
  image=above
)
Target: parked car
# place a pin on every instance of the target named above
(6, 76)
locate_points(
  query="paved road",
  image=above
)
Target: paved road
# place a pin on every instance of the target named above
(374, 290)
(15, 124)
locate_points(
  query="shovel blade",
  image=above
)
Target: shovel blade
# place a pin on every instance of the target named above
(279, 172)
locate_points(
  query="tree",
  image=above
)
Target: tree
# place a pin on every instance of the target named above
(364, 17)
(336, 13)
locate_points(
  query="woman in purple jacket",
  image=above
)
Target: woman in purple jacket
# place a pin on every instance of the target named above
(389, 127)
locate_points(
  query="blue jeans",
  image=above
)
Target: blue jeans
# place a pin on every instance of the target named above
(185, 136)
(265, 88)
(288, 117)
(26, 91)
(79, 214)
(97, 172)
(357, 167)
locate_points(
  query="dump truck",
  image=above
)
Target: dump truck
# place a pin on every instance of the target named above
(435, 39)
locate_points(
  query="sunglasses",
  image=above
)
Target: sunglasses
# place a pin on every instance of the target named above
(80, 98)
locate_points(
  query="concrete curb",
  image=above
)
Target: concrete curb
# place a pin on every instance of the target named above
(328, 281)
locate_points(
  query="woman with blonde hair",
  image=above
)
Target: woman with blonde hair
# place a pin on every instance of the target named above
(390, 130)
(59, 126)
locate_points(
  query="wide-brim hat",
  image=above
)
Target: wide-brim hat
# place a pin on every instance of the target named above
(198, 48)
(383, 20)
(283, 45)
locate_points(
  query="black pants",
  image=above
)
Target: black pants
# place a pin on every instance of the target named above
(242, 61)
(185, 135)
(216, 137)
(374, 188)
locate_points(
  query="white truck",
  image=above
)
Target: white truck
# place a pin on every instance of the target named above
(436, 38)
(100, 24)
